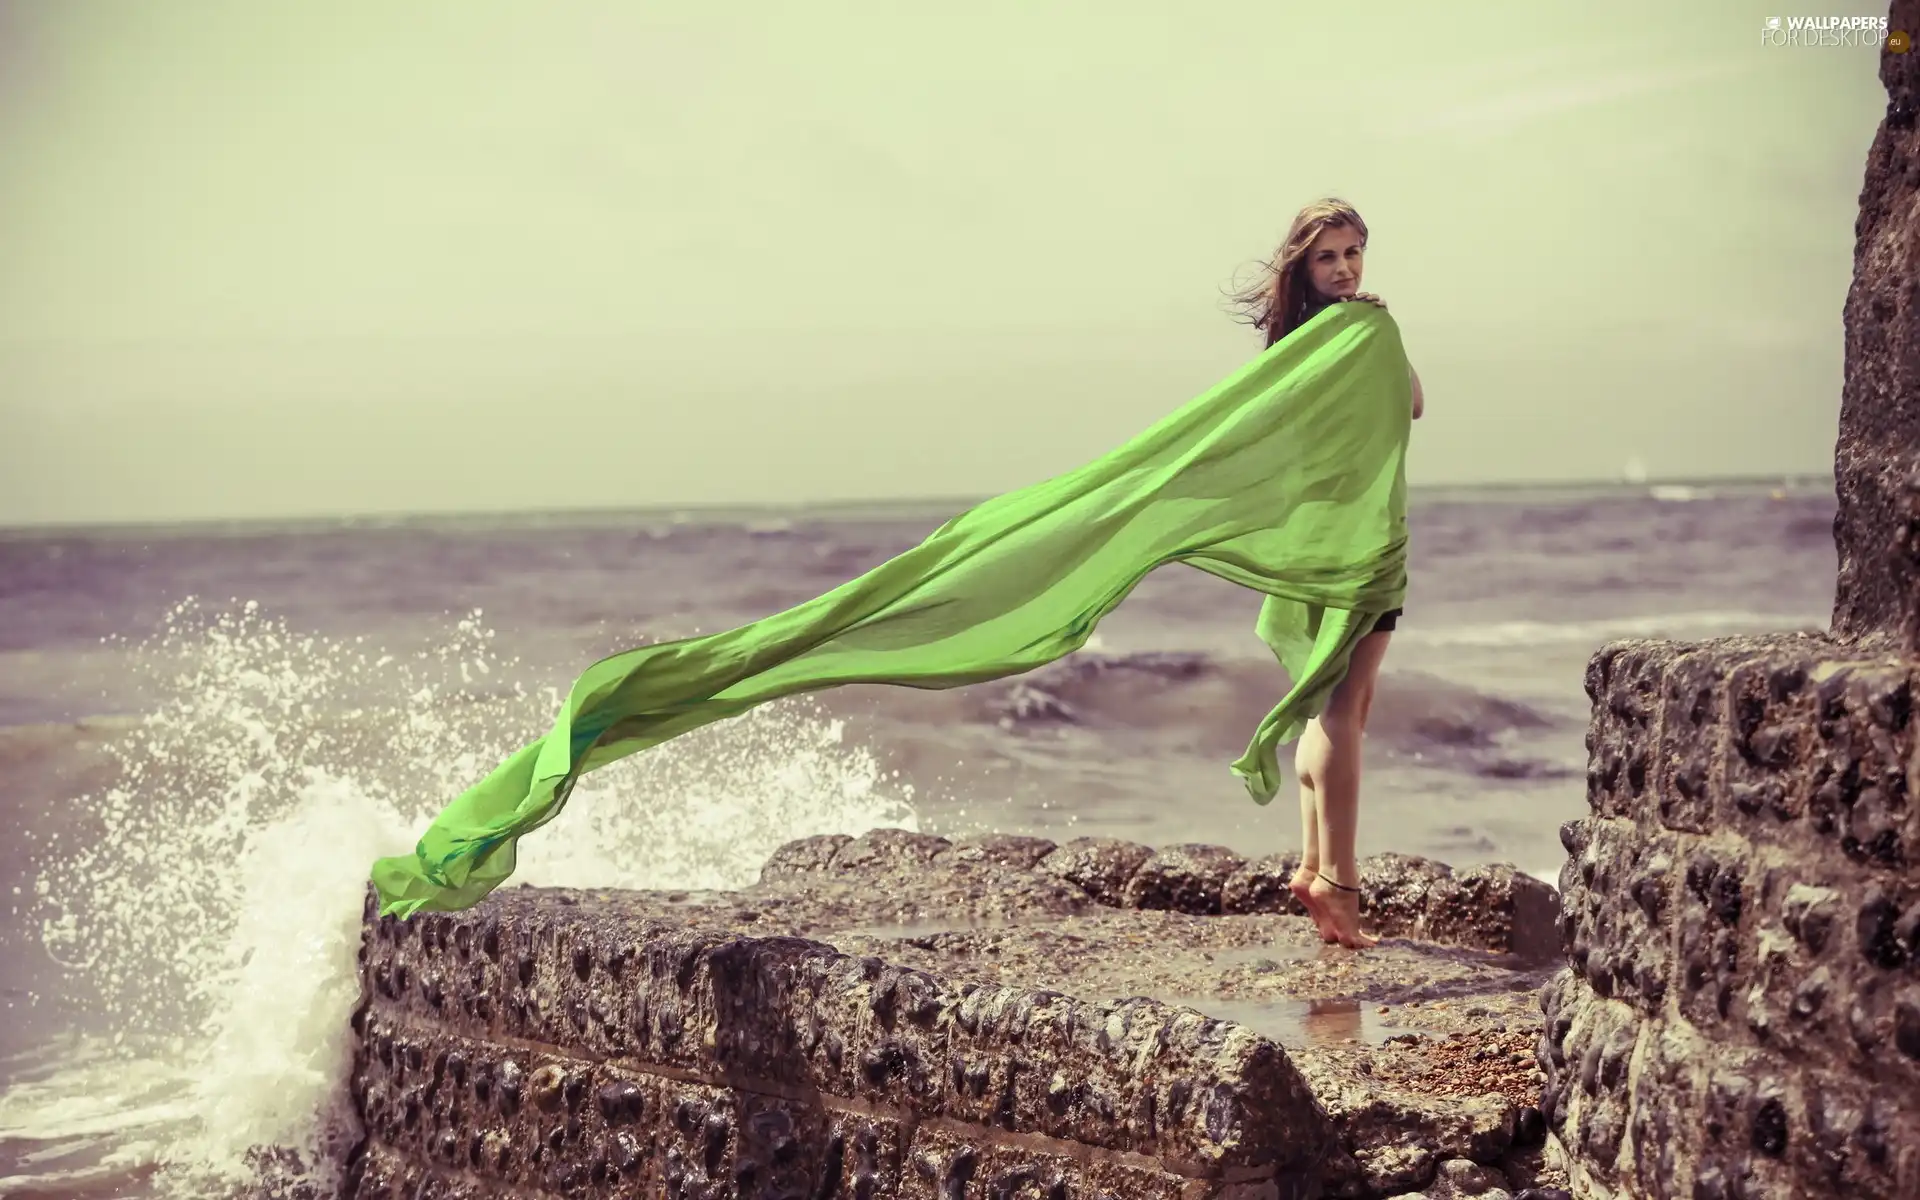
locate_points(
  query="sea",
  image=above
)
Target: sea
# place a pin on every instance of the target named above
(207, 734)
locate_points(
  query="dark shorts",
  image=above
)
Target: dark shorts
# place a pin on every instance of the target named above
(1388, 622)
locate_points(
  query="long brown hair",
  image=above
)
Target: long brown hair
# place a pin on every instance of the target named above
(1279, 302)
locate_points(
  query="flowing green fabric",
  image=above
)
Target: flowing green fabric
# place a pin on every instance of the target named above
(1288, 477)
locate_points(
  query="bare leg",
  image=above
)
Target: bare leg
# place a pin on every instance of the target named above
(1311, 749)
(1336, 774)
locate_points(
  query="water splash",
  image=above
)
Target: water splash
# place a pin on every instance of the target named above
(207, 905)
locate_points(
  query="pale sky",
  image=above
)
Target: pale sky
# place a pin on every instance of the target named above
(276, 260)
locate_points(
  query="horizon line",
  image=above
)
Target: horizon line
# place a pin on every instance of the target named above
(318, 521)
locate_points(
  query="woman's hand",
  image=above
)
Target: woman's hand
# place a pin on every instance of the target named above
(1369, 297)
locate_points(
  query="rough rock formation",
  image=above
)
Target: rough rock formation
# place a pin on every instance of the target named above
(1742, 1013)
(898, 1016)
(1741, 1016)
(1877, 528)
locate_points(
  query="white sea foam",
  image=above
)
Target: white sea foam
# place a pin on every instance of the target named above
(208, 903)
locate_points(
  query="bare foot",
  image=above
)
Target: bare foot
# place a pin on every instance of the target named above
(1343, 914)
(1302, 889)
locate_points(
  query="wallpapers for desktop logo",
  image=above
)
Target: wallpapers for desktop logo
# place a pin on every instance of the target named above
(1869, 32)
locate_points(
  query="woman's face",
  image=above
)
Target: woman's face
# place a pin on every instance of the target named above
(1334, 261)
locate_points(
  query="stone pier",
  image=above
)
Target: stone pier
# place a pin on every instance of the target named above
(1000, 1018)
(1740, 1018)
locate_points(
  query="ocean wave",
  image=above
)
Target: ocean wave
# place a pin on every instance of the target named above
(1413, 712)
(199, 909)
(1081, 686)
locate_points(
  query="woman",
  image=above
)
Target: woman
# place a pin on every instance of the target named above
(1319, 264)
(1287, 477)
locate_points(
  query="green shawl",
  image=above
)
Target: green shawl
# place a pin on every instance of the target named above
(1288, 477)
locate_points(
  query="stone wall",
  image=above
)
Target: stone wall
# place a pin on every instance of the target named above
(1741, 1014)
(535, 1047)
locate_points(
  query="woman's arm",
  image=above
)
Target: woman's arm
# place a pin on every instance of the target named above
(1419, 397)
